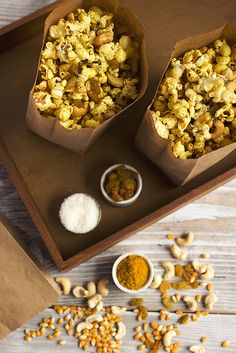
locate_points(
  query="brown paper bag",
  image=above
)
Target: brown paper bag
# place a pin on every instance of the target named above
(49, 128)
(157, 149)
(25, 289)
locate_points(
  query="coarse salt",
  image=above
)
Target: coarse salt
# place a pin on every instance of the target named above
(80, 213)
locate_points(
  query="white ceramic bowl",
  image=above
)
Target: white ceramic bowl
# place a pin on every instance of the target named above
(67, 207)
(114, 274)
(125, 202)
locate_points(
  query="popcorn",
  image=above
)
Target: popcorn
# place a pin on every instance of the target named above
(194, 107)
(179, 150)
(85, 76)
(43, 100)
(64, 112)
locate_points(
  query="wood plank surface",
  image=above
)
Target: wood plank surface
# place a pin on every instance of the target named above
(212, 218)
(191, 335)
(42, 196)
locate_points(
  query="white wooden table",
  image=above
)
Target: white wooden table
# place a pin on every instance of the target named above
(212, 218)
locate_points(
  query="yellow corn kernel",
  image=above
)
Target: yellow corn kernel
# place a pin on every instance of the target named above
(225, 344)
(61, 342)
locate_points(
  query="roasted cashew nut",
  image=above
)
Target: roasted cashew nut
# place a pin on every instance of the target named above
(209, 273)
(65, 284)
(115, 81)
(178, 253)
(190, 302)
(199, 267)
(80, 292)
(210, 300)
(169, 269)
(84, 325)
(117, 310)
(99, 305)
(94, 300)
(197, 349)
(103, 38)
(168, 337)
(186, 241)
(91, 287)
(157, 279)
(101, 286)
(121, 332)
(79, 111)
(219, 129)
(94, 317)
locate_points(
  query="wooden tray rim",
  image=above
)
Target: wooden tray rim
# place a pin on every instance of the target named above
(102, 245)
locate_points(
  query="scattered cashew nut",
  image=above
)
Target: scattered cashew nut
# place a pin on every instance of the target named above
(169, 269)
(219, 129)
(99, 305)
(82, 325)
(210, 300)
(168, 337)
(80, 292)
(157, 279)
(187, 240)
(79, 111)
(102, 287)
(199, 267)
(94, 317)
(103, 38)
(197, 349)
(178, 253)
(65, 284)
(115, 81)
(190, 302)
(209, 273)
(91, 287)
(94, 300)
(121, 332)
(117, 310)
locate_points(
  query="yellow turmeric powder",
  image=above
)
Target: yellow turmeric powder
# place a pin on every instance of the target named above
(133, 272)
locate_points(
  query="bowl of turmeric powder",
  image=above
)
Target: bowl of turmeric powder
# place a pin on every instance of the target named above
(132, 272)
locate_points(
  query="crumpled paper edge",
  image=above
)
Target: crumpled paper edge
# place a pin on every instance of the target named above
(50, 128)
(157, 149)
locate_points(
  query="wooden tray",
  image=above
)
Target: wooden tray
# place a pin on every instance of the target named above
(45, 173)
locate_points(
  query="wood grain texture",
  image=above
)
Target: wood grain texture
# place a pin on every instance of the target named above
(14, 10)
(43, 196)
(215, 234)
(212, 218)
(191, 335)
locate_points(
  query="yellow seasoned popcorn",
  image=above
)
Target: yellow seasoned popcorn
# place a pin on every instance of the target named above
(196, 102)
(87, 72)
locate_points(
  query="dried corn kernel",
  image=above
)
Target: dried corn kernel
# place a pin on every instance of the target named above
(61, 342)
(170, 236)
(225, 344)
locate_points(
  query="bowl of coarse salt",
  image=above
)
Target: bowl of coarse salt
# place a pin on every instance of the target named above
(80, 213)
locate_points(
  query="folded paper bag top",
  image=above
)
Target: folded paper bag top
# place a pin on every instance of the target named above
(158, 149)
(50, 128)
(25, 289)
